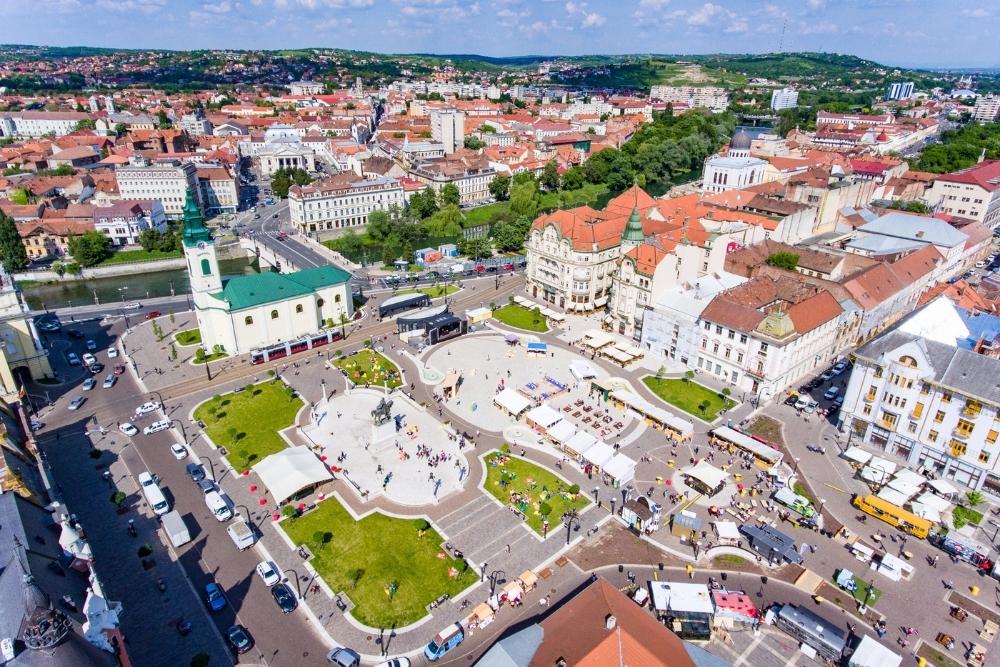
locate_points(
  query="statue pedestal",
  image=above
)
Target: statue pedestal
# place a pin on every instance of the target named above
(383, 432)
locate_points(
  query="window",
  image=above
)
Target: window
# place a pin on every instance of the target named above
(946, 397)
(939, 416)
(336, 298)
(743, 338)
(866, 410)
(274, 314)
(932, 436)
(918, 410)
(991, 437)
(878, 371)
(956, 448)
(925, 388)
(248, 320)
(206, 267)
(972, 408)
(319, 303)
(964, 428)
(871, 393)
(912, 427)
(763, 348)
(298, 308)
(984, 457)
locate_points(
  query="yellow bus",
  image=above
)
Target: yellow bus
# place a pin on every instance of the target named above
(893, 515)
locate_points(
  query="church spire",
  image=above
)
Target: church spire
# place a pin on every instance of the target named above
(633, 228)
(194, 224)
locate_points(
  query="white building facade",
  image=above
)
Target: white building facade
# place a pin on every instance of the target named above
(784, 98)
(124, 221)
(168, 182)
(342, 201)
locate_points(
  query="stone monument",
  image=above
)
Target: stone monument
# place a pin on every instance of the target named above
(383, 425)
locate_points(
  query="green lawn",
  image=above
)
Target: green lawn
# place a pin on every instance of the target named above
(368, 367)
(519, 317)
(189, 337)
(432, 292)
(515, 481)
(962, 515)
(688, 395)
(268, 407)
(861, 591)
(363, 558)
(125, 256)
(209, 358)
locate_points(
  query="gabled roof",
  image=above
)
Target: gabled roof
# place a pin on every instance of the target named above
(986, 175)
(263, 288)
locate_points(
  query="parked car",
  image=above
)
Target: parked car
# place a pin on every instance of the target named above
(179, 451)
(343, 657)
(207, 486)
(239, 639)
(72, 359)
(153, 314)
(810, 407)
(813, 384)
(48, 325)
(285, 598)
(128, 429)
(801, 402)
(214, 598)
(112, 353)
(89, 359)
(839, 367)
(831, 393)
(196, 472)
(157, 426)
(109, 381)
(268, 573)
(405, 662)
(827, 375)
(792, 400)
(95, 368)
(119, 369)
(89, 384)
(839, 401)
(134, 305)
(74, 333)
(76, 403)
(91, 345)
(148, 406)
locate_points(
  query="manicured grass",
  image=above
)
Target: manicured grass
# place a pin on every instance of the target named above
(526, 486)
(209, 358)
(368, 367)
(861, 591)
(801, 489)
(688, 396)
(432, 292)
(247, 422)
(189, 337)
(126, 256)
(519, 317)
(730, 559)
(363, 558)
(962, 515)
(767, 428)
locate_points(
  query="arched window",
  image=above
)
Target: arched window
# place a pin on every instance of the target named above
(248, 320)
(336, 298)
(206, 267)
(907, 360)
(319, 303)
(298, 308)
(274, 314)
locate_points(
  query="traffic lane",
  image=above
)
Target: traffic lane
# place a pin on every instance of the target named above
(282, 639)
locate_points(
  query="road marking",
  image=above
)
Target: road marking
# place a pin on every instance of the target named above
(743, 658)
(835, 488)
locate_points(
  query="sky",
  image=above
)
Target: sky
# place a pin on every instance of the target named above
(932, 33)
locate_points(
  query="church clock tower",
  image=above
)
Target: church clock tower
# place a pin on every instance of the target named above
(199, 251)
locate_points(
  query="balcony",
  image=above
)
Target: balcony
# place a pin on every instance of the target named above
(756, 372)
(972, 411)
(960, 433)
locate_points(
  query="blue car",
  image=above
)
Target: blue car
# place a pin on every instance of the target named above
(214, 598)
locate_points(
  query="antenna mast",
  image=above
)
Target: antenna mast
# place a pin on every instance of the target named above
(781, 40)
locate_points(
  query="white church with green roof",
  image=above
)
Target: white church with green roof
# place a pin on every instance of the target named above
(263, 311)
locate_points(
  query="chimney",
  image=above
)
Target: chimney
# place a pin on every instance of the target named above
(610, 621)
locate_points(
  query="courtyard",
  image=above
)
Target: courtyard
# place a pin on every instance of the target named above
(368, 367)
(537, 494)
(390, 568)
(416, 464)
(247, 422)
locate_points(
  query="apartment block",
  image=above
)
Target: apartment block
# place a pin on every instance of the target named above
(166, 181)
(341, 201)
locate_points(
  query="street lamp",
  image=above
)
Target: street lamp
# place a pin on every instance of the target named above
(571, 520)
(496, 576)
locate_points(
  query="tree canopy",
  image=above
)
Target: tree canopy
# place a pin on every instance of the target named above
(784, 260)
(283, 179)
(12, 252)
(89, 248)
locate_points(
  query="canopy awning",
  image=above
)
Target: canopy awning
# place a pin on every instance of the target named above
(893, 496)
(543, 416)
(857, 455)
(727, 530)
(656, 413)
(582, 370)
(511, 402)
(538, 347)
(707, 474)
(904, 487)
(580, 443)
(598, 455)
(596, 339)
(620, 468)
(620, 356)
(561, 432)
(289, 471)
(484, 612)
(872, 654)
(911, 477)
(528, 578)
(933, 500)
(943, 487)
(763, 452)
(925, 511)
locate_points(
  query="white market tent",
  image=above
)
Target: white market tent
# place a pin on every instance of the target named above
(925, 512)
(599, 454)
(681, 597)
(707, 474)
(872, 654)
(893, 496)
(595, 339)
(727, 531)
(289, 471)
(893, 567)
(556, 317)
(910, 476)
(645, 409)
(878, 471)
(475, 315)
(561, 432)
(579, 443)
(582, 370)
(543, 417)
(511, 402)
(934, 501)
(942, 487)
(903, 486)
(619, 355)
(857, 455)
(620, 468)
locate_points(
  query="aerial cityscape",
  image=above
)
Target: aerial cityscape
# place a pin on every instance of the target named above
(352, 333)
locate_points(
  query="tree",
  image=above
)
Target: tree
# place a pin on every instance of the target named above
(89, 248)
(120, 129)
(86, 124)
(474, 248)
(974, 498)
(162, 120)
(283, 179)
(572, 178)
(379, 225)
(150, 239)
(450, 195)
(12, 252)
(784, 260)
(550, 176)
(507, 237)
(500, 187)
(524, 199)
(474, 143)
(423, 204)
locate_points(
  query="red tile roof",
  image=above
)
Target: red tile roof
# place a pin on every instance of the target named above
(986, 175)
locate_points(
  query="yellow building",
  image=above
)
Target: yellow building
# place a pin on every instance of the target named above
(22, 354)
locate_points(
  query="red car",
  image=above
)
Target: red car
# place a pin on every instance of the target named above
(119, 369)
(480, 268)
(153, 314)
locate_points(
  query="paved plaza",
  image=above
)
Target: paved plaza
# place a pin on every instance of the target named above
(414, 460)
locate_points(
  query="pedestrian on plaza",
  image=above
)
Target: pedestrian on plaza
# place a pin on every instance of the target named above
(934, 560)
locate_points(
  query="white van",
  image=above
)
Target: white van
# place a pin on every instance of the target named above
(151, 491)
(161, 425)
(218, 506)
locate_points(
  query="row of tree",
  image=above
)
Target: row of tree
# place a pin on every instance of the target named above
(960, 148)
(283, 179)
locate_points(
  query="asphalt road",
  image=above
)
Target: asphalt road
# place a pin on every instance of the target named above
(281, 639)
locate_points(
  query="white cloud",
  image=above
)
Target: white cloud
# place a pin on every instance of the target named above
(332, 4)
(816, 4)
(333, 23)
(654, 4)
(705, 14)
(141, 6)
(738, 26)
(978, 12)
(221, 7)
(593, 20)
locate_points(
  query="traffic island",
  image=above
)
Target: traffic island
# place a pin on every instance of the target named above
(369, 368)
(390, 568)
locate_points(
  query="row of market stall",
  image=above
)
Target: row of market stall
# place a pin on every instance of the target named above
(604, 344)
(548, 313)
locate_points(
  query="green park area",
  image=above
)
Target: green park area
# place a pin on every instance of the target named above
(390, 568)
(128, 256)
(433, 292)
(189, 337)
(532, 490)
(247, 422)
(371, 368)
(861, 593)
(519, 317)
(691, 397)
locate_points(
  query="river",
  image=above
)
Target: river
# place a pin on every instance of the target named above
(140, 286)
